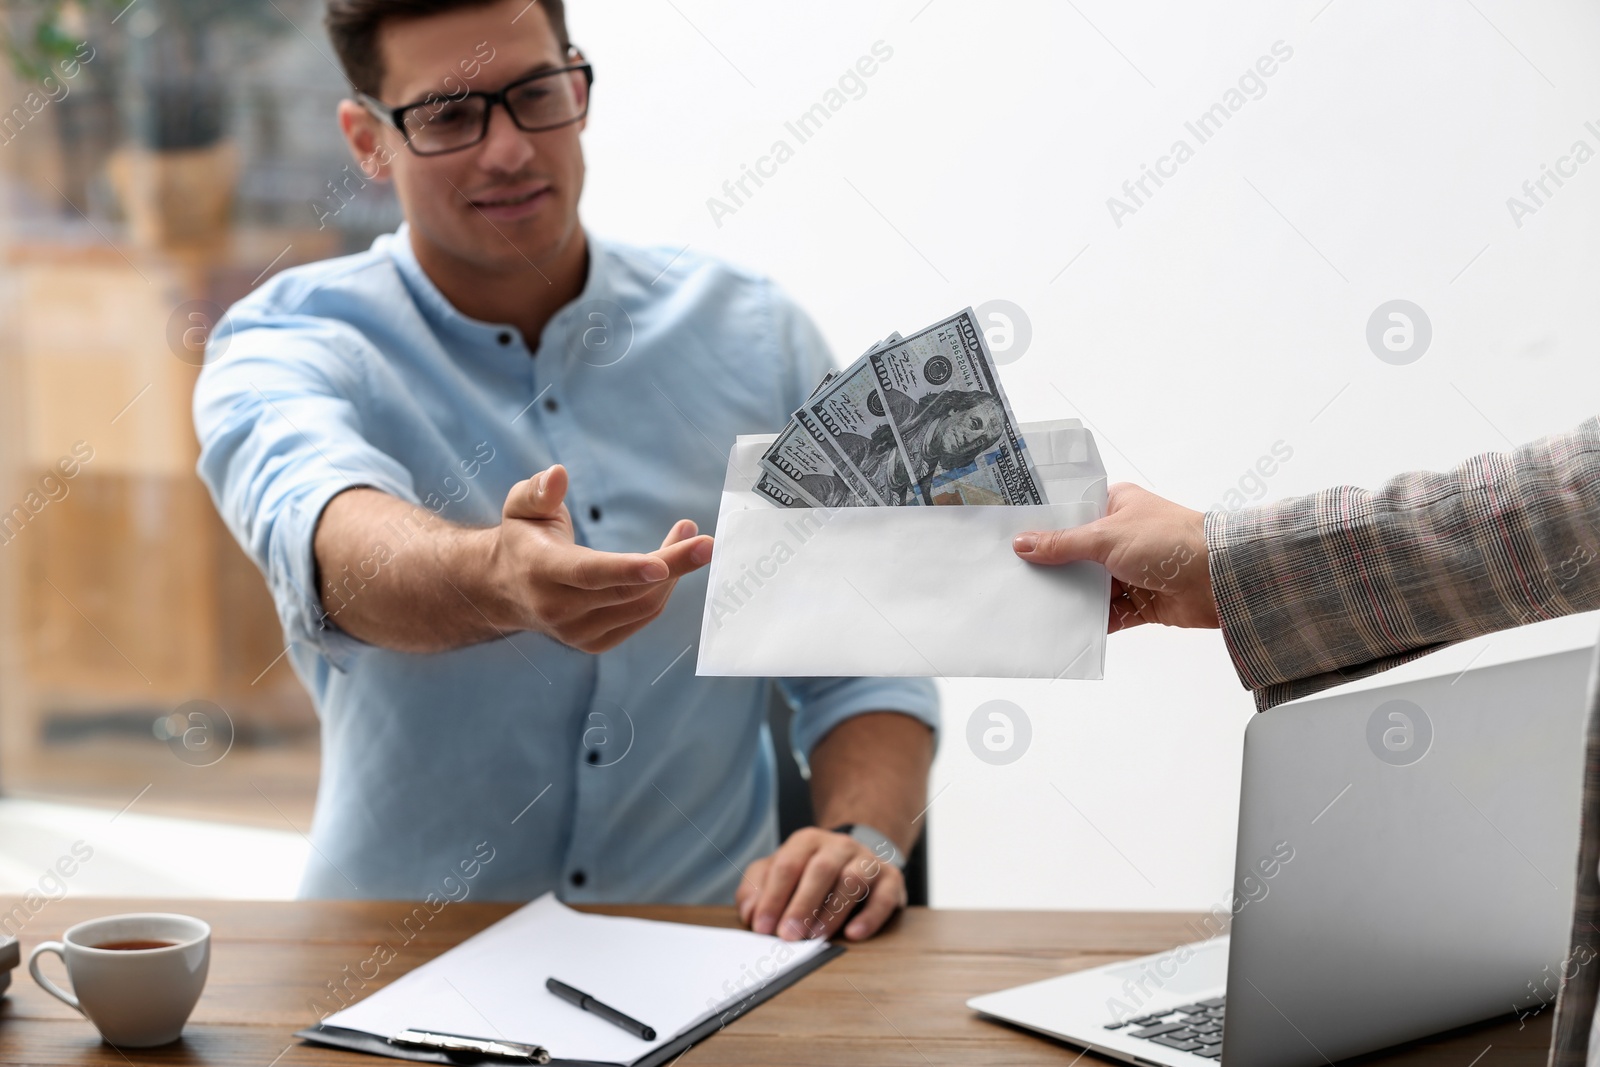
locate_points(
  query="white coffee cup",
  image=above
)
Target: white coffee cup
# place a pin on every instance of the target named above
(136, 997)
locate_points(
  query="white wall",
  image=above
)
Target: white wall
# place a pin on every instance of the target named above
(1227, 314)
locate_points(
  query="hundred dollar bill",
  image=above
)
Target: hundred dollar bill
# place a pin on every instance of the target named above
(851, 417)
(814, 468)
(800, 460)
(808, 424)
(950, 416)
(782, 492)
(831, 375)
(891, 339)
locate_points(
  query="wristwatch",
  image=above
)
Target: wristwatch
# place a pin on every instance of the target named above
(876, 841)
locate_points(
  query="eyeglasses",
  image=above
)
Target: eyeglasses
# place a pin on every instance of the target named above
(450, 122)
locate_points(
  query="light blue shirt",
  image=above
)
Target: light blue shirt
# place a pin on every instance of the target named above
(612, 777)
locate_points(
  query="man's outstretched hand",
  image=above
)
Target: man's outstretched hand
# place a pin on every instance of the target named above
(1155, 551)
(592, 601)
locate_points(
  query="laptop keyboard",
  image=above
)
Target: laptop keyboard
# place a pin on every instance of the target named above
(1195, 1028)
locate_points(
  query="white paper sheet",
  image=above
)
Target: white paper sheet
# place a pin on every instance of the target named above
(670, 976)
(899, 592)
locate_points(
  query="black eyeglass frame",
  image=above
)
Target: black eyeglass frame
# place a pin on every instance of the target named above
(395, 116)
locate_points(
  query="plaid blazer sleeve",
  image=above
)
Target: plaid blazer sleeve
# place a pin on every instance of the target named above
(1321, 589)
(1342, 584)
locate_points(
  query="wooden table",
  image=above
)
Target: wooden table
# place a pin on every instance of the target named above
(896, 1000)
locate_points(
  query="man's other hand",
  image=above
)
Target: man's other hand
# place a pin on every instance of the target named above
(592, 601)
(1155, 551)
(813, 883)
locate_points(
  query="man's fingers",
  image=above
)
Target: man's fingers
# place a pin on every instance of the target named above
(749, 890)
(584, 568)
(540, 497)
(1157, 549)
(590, 600)
(887, 896)
(788, 863)
(1093, 541)
(685, 556)
(619, 576)
(609, 627)
(1064, 546)
(815, 909)
(681, 530)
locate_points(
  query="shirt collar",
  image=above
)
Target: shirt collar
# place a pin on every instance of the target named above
(445, 317)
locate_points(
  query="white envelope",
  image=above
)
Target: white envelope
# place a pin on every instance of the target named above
(907, 591)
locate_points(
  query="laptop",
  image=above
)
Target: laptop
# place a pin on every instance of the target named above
(1405, 865)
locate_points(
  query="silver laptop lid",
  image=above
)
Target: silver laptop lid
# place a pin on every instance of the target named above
(1432, 835)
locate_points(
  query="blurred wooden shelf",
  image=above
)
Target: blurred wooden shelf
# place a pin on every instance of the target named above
(124, 591)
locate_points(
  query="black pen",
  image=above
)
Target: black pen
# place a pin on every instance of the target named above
(605, 1011)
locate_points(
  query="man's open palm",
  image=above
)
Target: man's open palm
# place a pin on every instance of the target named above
(590, 600)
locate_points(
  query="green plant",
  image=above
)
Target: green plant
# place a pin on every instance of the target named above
(170, 59)
(38, 34)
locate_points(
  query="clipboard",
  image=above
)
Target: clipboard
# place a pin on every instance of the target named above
(357, 1041)
(487, 996)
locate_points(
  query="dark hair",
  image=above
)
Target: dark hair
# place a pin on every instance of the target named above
(353, 27)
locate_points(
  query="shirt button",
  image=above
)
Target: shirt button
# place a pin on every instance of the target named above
(594, 514)
(551, 405)
(578, 878)
(594, 757)
(505, 337)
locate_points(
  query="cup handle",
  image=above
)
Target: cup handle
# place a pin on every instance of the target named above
(48, 986)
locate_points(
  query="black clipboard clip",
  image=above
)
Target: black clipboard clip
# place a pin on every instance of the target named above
(504, 1050)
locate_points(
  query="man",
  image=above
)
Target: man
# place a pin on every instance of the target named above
(1317, 590)
(505, 659)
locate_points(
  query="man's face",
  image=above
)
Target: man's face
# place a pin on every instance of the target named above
(977, 427)
(512, 199)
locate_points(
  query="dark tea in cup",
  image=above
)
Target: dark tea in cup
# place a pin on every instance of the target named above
(135, 945)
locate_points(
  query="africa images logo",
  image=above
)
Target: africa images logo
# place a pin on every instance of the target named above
(1399, 733)
(1399, 332)
(999, 732)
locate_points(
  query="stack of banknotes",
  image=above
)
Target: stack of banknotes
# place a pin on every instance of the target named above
(916, 421)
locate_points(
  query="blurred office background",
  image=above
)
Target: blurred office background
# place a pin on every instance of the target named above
(1207, 326)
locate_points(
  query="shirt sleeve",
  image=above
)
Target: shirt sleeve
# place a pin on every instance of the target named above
(820, 704)
(278, 415)
(1323, 589)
